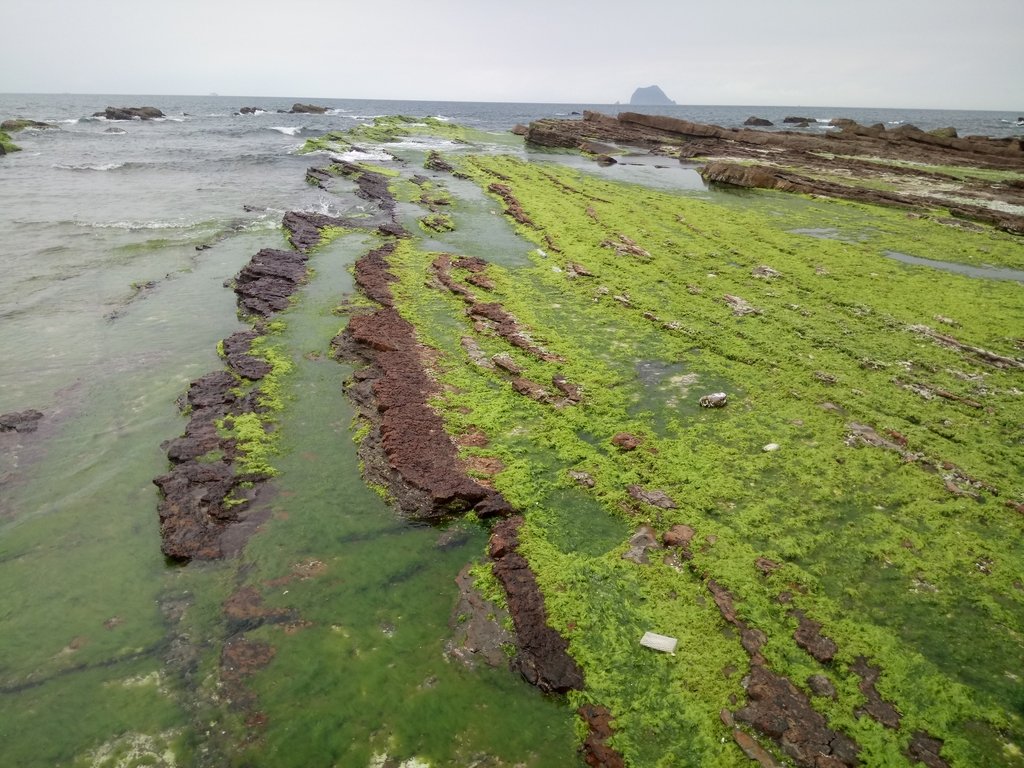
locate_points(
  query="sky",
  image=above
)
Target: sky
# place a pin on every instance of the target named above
(940, 54)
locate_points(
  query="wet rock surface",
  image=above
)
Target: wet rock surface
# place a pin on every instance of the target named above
(202, 495)
(265, 284)
(20, 421)
(304, 228)
(130, 113)
(407, 450)
(543, 658)
(478, 635)
(596, 751)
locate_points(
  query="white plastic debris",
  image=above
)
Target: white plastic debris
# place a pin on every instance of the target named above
(659, 642)
(771, 447)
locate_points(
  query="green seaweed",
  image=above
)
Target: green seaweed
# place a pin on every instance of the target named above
(861, 536)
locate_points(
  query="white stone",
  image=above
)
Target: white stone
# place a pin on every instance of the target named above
(659, 642)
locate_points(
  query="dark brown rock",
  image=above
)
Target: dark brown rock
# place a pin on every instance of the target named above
(236, 354)
(595, 749)
(265, 284)
(776, 708)
(543, 657)
(808, 636)
(130, 113)
(304, 228)
(372, 275)
(820, 685)
(757, 121)
(626, 442)
(408, 449)
(876, 707)
(925, 749)
(307, 109)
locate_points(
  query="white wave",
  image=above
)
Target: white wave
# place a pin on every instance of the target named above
(366, 117)
(442, 118)
(287, 130)
(337, 111)
(895, 122)
(363, 155)
(89, 167)
(825, 120)
(137, 225)
(72, 121)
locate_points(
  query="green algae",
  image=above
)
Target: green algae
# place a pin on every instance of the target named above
(835, 330)
(7, 144)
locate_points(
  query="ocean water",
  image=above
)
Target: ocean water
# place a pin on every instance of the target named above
(117, 239)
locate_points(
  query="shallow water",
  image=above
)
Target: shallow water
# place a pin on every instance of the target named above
(989, 273)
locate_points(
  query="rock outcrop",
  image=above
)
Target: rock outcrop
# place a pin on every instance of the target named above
(543, 657)
(130, 113)
(20, 124)
(307, 109)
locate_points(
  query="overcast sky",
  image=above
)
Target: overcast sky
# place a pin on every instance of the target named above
(868, 53)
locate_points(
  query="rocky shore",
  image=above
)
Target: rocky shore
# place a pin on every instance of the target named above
(904, 166)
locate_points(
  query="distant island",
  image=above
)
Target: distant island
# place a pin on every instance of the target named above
(652, 95)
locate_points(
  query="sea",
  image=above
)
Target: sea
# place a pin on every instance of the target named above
(119, 239)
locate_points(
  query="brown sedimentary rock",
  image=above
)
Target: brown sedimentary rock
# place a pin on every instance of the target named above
(808, 636)
(265, 284)
(779, 710)
(876, 707)
(372, 275)
(512, 206)
(408, 449)
(543, 657)
(595, 749)
(626, 442)
(304, 228)
(925, 749)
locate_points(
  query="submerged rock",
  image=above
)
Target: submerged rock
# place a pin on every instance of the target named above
(20, 421)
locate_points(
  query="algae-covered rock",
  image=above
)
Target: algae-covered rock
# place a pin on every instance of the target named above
(19, 124)
(6, 145)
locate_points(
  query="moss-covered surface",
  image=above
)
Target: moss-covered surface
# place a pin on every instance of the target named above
(906, 549)
(6, 144)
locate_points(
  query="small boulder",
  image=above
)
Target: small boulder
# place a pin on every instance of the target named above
(307, 109)
(626, 442)
(760, 121)
(714, 400)
(639, 543)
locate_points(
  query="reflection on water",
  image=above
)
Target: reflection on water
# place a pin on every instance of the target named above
(992, 273)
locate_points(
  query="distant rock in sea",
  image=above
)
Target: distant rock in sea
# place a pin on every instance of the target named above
(652, 95)
(130, 113)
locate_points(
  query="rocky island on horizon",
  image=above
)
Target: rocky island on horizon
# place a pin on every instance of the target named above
(652, 95)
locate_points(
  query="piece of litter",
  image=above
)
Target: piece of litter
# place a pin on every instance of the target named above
(771, 447)
(659, 642)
